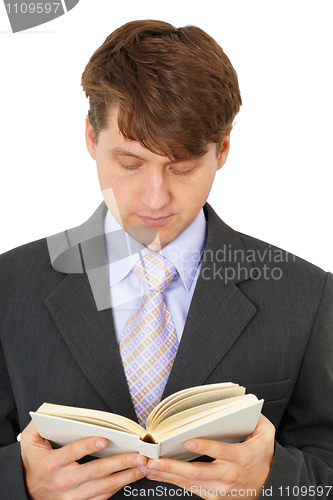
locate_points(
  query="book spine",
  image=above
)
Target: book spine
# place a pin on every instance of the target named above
(149, 450)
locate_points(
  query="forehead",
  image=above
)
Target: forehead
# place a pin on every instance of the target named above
(140, 140)
(111, 137)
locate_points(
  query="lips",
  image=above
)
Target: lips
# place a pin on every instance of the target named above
(154, 221)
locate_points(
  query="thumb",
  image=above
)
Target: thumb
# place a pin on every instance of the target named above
(30, 436)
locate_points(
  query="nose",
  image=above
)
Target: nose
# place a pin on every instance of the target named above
(155, 191)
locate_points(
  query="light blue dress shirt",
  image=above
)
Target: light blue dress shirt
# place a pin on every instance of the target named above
(185, 252)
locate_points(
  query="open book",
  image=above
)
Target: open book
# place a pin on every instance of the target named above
(217, 411)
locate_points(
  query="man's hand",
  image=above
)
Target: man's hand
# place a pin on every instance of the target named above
(237, 468)
(55, 474)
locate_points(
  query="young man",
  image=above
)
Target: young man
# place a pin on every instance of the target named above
(162, 105)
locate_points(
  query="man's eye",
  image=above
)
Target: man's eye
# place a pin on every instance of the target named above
(128, 167)
(182, 172)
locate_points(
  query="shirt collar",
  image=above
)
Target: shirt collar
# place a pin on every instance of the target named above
(185, 251)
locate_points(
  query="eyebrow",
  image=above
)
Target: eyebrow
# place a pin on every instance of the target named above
(126, 152)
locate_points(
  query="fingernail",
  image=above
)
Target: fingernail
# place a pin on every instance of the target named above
(140, 461)
(190, 445)
(152, 466)
(101, 443)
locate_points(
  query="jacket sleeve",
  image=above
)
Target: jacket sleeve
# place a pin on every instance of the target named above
(12, 486)
(303, 460)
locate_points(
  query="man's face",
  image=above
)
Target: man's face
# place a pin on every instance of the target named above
(145, 189)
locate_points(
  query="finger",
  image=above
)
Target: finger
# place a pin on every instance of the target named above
(103, 488)
(30, 431)
(215, 449)
(263, 426)
(105, 466)
(188, 484)
(78, 449)
(164, 477)
(193, 471)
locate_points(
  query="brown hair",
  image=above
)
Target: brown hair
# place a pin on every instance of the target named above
(176, 89)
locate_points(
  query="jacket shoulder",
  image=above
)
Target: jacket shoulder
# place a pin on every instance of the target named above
(26, 254)
(26, 271)
(262, 253)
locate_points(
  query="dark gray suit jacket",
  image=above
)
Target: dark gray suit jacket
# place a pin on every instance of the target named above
(259, 317)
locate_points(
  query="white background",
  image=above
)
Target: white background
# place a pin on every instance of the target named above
(277, 183)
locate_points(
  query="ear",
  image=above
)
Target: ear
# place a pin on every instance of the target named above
(224, 151)
(90, 139)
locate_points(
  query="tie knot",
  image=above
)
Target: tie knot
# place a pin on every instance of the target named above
(155, 272)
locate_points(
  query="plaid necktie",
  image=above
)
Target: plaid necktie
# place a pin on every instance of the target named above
(149, 342)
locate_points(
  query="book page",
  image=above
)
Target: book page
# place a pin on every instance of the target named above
(195, 401)
(96, 417)
(198, 412)
(95, 421)
(177, 424)
(186, 393)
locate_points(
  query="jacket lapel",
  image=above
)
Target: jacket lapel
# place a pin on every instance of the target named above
(219, 311)
(91, 338)
(80, 307)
